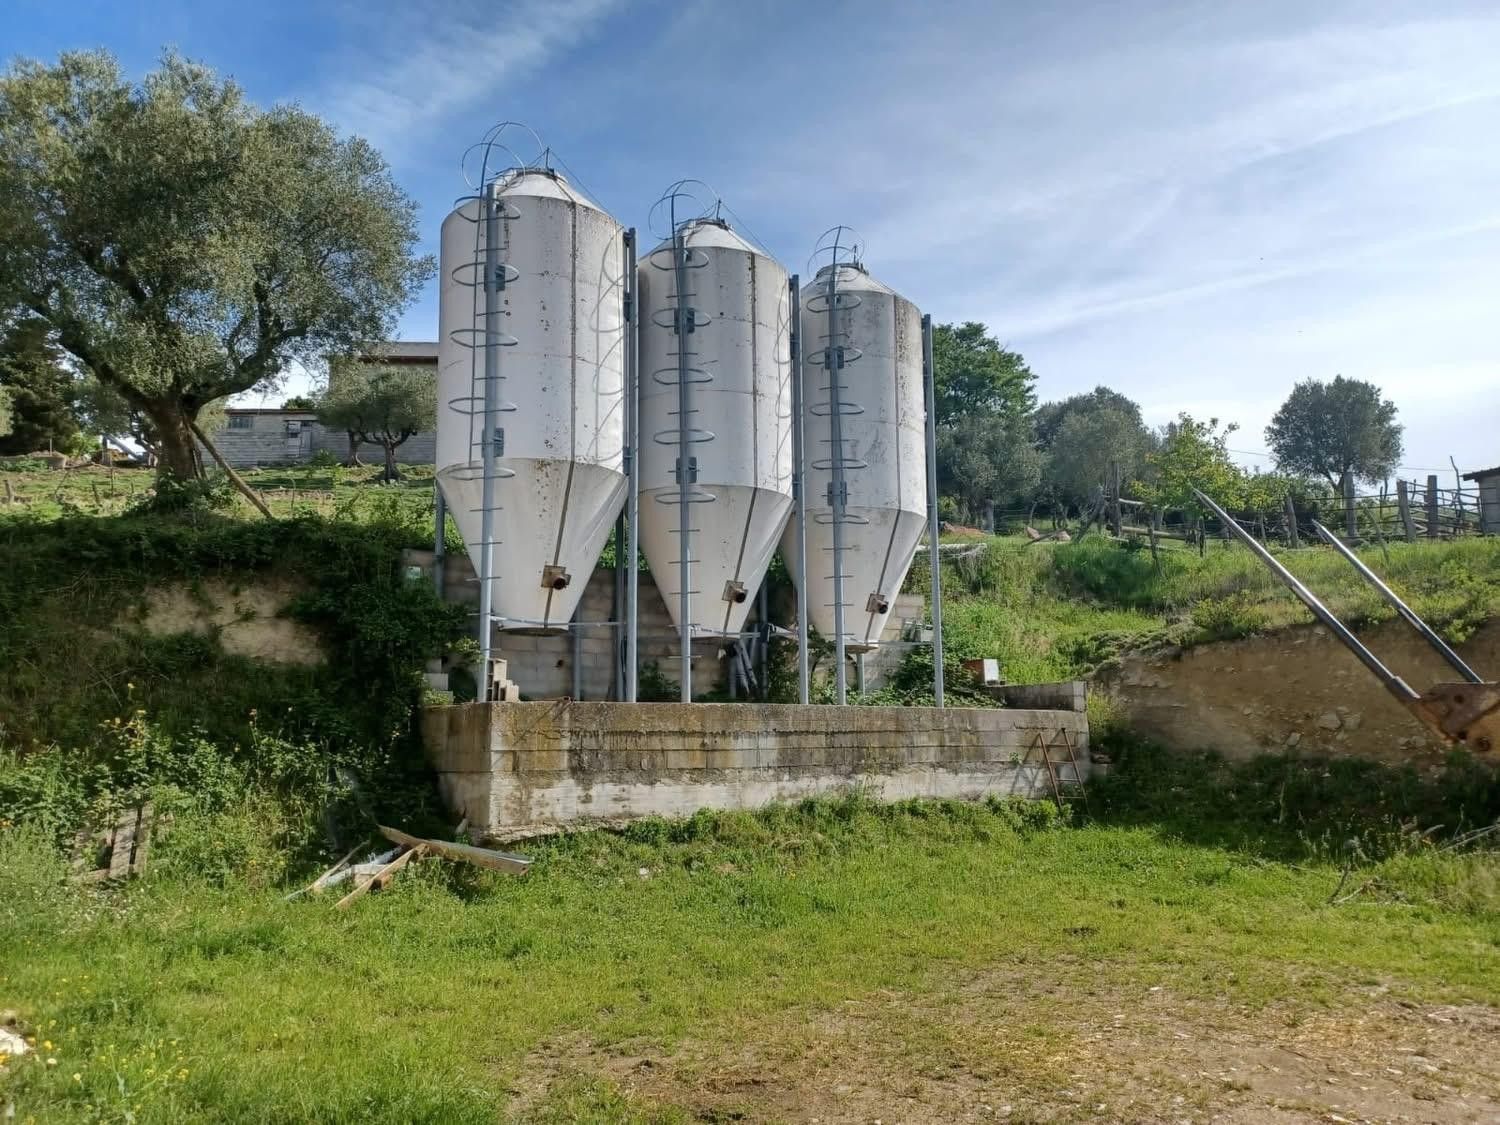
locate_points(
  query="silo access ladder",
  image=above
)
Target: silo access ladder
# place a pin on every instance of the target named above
(1064, 773)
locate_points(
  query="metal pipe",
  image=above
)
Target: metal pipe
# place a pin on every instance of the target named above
(1393, 683)
(439, 538)
(799, 485)
(684, 475)
(935, 555)
(487, 438)
(1408, 614)
(617, 609)
(838, 497)
(763, 636)
(632, 470)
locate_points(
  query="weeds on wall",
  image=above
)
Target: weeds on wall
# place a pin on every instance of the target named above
(93, 707)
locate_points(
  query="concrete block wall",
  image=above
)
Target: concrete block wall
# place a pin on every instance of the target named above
(265, 442)
(543, 665)
(419, 449)
(509, 765)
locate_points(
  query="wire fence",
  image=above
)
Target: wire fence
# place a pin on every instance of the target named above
(1403, 510)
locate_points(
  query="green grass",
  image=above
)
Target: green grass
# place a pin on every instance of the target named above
(1055, 611)
(334, 492)
(177, 1001)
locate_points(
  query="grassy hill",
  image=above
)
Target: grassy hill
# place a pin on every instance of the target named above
(1053, 611)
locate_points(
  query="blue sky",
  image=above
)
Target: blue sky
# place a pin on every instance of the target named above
(1196, 203)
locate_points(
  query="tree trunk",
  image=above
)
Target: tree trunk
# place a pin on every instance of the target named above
(175, 452)
(391, 472)
(353, 461)
(234, 477)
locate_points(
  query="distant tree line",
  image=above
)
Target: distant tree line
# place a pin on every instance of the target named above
(998, 450)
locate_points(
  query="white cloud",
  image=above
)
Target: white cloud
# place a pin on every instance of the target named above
(430, 61)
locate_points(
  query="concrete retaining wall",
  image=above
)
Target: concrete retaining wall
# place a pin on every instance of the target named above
(507, 765)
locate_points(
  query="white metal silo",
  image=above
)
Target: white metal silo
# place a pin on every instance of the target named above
(737, 432)
(879, 403)
(558, 478)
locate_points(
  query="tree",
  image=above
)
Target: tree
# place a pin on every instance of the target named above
(5, 412)
(300, 402)
(987, 459)
(1328, 429)
(185, 245)
(1194, 454)
(381, 405)
(974, 375)
(1085, 445)
(43, 393)
(1050, 416)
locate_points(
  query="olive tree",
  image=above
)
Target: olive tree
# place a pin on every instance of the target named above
(1329, 429)
(384, 406)
(184, 245)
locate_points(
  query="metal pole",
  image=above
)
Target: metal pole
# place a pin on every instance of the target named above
(934, 556)
(632, 471)
(684, 474)
(439, 538)
(1407, 613)
(838, 489)
(1393, 683)
(487, 437)
(763, 636)
(799, 487)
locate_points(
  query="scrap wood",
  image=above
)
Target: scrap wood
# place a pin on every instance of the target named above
(125, 846)
(381, 879)
(481, 857)
(327, 878)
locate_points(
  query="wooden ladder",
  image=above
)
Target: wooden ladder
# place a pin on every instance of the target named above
(1064, 774)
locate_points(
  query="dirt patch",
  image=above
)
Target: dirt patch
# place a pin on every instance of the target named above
(246, 619)
(1004, 1046)
(1295, 689)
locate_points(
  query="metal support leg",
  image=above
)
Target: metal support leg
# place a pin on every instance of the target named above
(934, 557)
(799, 489)
(439, 539)
(631, 547)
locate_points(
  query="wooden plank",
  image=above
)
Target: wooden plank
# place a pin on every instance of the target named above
(142, 840)
(318, 885)
(481, 857)
(382, 878)
(124, 844)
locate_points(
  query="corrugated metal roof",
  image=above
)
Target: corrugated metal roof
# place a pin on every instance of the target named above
(1478, 473)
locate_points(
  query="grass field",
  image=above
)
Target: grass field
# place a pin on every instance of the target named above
(39, 493)
(837, 961)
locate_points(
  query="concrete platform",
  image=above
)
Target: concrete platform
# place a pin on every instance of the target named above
(509, 765)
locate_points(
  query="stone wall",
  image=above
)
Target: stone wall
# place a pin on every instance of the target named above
(512, 765)
(1294, 689)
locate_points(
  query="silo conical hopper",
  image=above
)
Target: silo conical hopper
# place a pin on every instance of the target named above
(885, 452)
(738, 360)
(560, 445)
